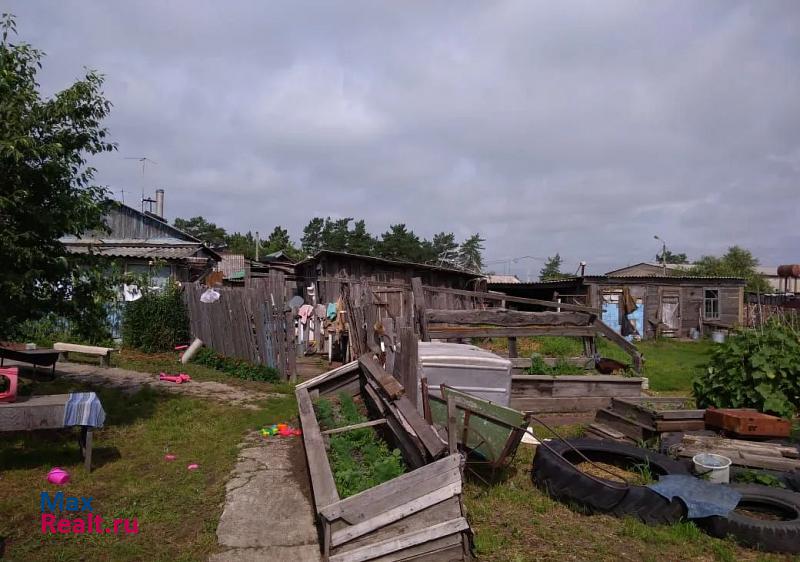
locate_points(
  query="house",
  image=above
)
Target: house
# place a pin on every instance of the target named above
(644, 305)
(144, 243)
(327, 270)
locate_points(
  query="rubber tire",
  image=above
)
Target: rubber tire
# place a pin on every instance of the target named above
(771, 536)
(554, 472)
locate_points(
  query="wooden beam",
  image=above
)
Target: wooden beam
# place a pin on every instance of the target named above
(506, 318)
(421, 427)
(401, 542)
(419, 307)
(418, 504)
(508, 298)
(322, 484)
(406, 363)
(446, 332)
(512, 347)
(354, 426)
(626, 346)
(387, 382)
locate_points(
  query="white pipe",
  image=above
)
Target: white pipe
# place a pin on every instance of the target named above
(191, 351)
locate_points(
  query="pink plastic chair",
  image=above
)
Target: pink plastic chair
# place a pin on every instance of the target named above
(12, 374)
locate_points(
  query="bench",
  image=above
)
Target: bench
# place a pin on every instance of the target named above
(103, 352)
(29, 413)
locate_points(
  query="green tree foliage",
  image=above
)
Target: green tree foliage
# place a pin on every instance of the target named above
(46, 187)
(399, 243)
(238, 243)
(360, 241)
(311, 242)
(280, 241)
(336, 234)
(445, 249)
(669, 257)
(208, 232)
(470, 253)
(157, 321)
(737, 262)
(754, 368)
(552, 269)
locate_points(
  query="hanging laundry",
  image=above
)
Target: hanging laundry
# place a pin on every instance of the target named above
(305, 312)
(331, 312)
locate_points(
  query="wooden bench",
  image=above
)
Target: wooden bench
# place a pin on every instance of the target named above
(103, 352)
(30, 413)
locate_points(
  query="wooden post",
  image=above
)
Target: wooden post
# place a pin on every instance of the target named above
(419, 307)
(452, 439)
(512, 347)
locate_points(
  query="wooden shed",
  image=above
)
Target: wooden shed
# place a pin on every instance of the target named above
(327, 270)
(670, 305)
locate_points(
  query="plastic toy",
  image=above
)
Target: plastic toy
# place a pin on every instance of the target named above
(281, 429)
(10, 373)
(179, 378)
(169, 457)
(193, 466)
(58, 476)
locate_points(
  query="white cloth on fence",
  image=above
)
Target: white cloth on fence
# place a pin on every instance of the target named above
(209, 296)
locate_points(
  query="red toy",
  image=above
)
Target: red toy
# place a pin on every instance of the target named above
(12, 374)
(179, 378)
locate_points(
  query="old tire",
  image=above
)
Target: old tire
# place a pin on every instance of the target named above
(555, 472)
(769, 535)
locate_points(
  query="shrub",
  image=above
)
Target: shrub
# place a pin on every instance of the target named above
(157, 321)
(238, 368)
(754, 368)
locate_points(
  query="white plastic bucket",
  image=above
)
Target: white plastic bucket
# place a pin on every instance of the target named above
(718, 336)
(715, 468)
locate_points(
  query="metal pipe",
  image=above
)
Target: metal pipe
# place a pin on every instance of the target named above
(160, 202)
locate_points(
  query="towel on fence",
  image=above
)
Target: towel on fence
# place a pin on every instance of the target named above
(331, 312)
(305, 312)
(84, 408)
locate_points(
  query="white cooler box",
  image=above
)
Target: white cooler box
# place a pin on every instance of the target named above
(466, 368)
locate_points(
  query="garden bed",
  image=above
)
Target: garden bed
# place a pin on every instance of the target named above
(417, 514)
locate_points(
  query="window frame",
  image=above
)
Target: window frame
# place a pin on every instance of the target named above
(707, 301)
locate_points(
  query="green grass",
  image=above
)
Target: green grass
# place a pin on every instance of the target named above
(669, 364)
(514, 521)
(177, 509)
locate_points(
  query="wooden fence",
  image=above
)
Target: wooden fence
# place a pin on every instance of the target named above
(756, 315)
(252, 323)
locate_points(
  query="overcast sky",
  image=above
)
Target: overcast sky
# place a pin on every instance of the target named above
(583, 128)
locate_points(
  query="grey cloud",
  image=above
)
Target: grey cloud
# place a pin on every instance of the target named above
(578, 127)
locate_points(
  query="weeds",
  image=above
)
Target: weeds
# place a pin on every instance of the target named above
(236, 367)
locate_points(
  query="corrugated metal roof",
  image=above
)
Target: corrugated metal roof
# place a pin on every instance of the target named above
(503, 279)
(386, 261)
(231, 265)
(145, 251)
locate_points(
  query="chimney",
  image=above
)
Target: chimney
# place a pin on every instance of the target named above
(160, 202)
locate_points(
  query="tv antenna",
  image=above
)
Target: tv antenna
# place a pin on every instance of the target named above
(144, 161)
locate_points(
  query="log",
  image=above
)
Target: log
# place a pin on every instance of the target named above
(506, 318)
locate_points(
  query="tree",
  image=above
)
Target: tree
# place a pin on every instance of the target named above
(336, 234)
(470, 254)
(46, 188)
(399, 243)
(279, 241)
(208, 232)
(669, 257)
(360, 241)
(445, 249)
(245, 244)
(552, 269)
(737, 262)
(311, 242)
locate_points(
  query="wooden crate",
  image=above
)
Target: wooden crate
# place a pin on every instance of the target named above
(744, 422)
(661, 414)
(418, 515)
(541, 394)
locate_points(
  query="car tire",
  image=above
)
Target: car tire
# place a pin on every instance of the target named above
(554, 471)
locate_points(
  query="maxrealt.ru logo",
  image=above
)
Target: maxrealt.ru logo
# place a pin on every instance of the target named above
(86, 522)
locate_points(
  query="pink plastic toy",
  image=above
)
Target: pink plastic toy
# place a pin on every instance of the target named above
(169, 457)
(11, 373)
(58, 476)
(193, 466)
(181, 347)
(180, 378)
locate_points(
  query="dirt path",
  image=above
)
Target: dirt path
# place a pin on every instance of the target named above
(132, 381)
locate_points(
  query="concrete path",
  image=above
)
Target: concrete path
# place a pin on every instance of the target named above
(269, 514)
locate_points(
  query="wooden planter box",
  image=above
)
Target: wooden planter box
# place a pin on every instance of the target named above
(418, 515)
(643, 418)
(572, 393)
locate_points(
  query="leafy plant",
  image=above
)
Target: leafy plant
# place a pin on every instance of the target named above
(359, 458)
(238, 368)
(561, 367)
(157, 321)
(754, 368)
(757, 477)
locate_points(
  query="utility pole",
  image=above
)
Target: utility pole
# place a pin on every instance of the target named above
(258, 243)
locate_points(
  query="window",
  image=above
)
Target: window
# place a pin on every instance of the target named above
(711, 304)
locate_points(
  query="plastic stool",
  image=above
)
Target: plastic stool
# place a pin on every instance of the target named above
(12, 374)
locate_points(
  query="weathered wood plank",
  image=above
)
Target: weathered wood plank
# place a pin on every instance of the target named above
(559, 405)
(508, 298)
(419, 307)
(395, 514)
(33, 412)
(362, 425)
(387, 382)
(345, 369)
(459, 332)
(506, 318)
(421, 427)
(406, 363)
(626, 346)
(322, 483)
(395, 492)
(403, 541)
